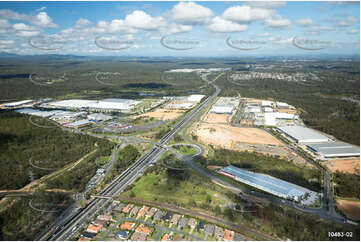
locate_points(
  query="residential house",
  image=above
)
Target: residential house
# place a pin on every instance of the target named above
(142, 212)
(158, 215)
(143, 229)
(127, 208)
(167, 216)
(83, 239)
(218, 233)
(151, 212)
(238, 237)
(175, 219)
(127, 226)
(209, 228)
(182, 223)
(137, 236)
(94, 228)
(192, 223)
(229, 236)
(200, 226)
(166, 237)
(134, 210)
(88, 235)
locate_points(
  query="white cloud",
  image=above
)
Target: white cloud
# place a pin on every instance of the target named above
(81, 23)
(42, 19)
(277, 21)
(178, 28)
(266, 4)
(220, 25)
(141, 20)
(347, 21)
(304, 22)
(190, 13)
(6, 42)
(41, 9)
(4, 24)
(245, 14)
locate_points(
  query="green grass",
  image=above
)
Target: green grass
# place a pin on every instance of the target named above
(158, 187)
(186, 150)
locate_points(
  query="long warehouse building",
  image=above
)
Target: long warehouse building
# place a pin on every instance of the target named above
(334, 149)
(302, 134)
(271, 185)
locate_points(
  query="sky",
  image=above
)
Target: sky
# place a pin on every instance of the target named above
(188, 28)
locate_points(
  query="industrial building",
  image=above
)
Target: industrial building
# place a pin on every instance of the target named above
(106, 105)
(79, 124)
(271, 185)
(334, 149)
(302, 134)
(225, 105)
(270, 118)
(98, 117)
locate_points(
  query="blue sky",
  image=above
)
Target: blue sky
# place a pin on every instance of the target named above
(180, 28)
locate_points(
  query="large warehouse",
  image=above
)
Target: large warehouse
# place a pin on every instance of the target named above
(271, 185)
(334, 149)
(302, 134)
(106, 105)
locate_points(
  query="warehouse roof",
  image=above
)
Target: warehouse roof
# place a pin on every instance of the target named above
(222, 109)
(334, 149)
(268, 183)
(303, 135)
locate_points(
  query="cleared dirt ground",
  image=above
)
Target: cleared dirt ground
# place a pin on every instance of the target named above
(346, 165)
(350, 208)
(223, 135)
(292, 111)
(214, 118)
(163, 114)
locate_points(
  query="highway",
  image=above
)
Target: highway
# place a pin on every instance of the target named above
(76, 217)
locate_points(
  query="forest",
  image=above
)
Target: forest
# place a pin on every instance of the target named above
(347, 185)
(24, 148)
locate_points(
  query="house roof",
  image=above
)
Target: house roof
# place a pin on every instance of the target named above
(142, 211)
(166, 237)
(143, 229)
(89, 235)
(127, 225)
(175, 218)
(83, 239)
(127, 208)
(122, 234)
(192, 222)
(158, 215)
(229, 235)
(94, 228)
(151, 212)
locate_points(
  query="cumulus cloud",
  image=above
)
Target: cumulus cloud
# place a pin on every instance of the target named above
(41, 19)
(314, 30)
(190, 13)
(178, 28)
(81, 23)
(304, 22)
(4, 24)
(245, 14)
(277, 21)
(220, 25)
(141, 20)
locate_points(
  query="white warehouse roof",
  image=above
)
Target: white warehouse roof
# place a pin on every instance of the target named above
(334, 149)
(303, 135)
(267, 104)
(18, 103)
(115, 104)
(222, 109)
(195, 98)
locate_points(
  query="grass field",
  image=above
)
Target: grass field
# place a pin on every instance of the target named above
(191, 192)
(186, 150)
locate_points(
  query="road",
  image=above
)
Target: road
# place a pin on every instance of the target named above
(69, 225)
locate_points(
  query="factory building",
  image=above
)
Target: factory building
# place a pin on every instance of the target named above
(222, 109)
(98, 117)
(106, 105)
(334, 149)
(302, 134)
(79, 124)
(271, 185)
(225, 105)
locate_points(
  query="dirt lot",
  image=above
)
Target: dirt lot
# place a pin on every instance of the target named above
(346, 165)
(223, 135)
(214, 118)
(253, 100)
(163, 114)
(350, 208)
(292, 111)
